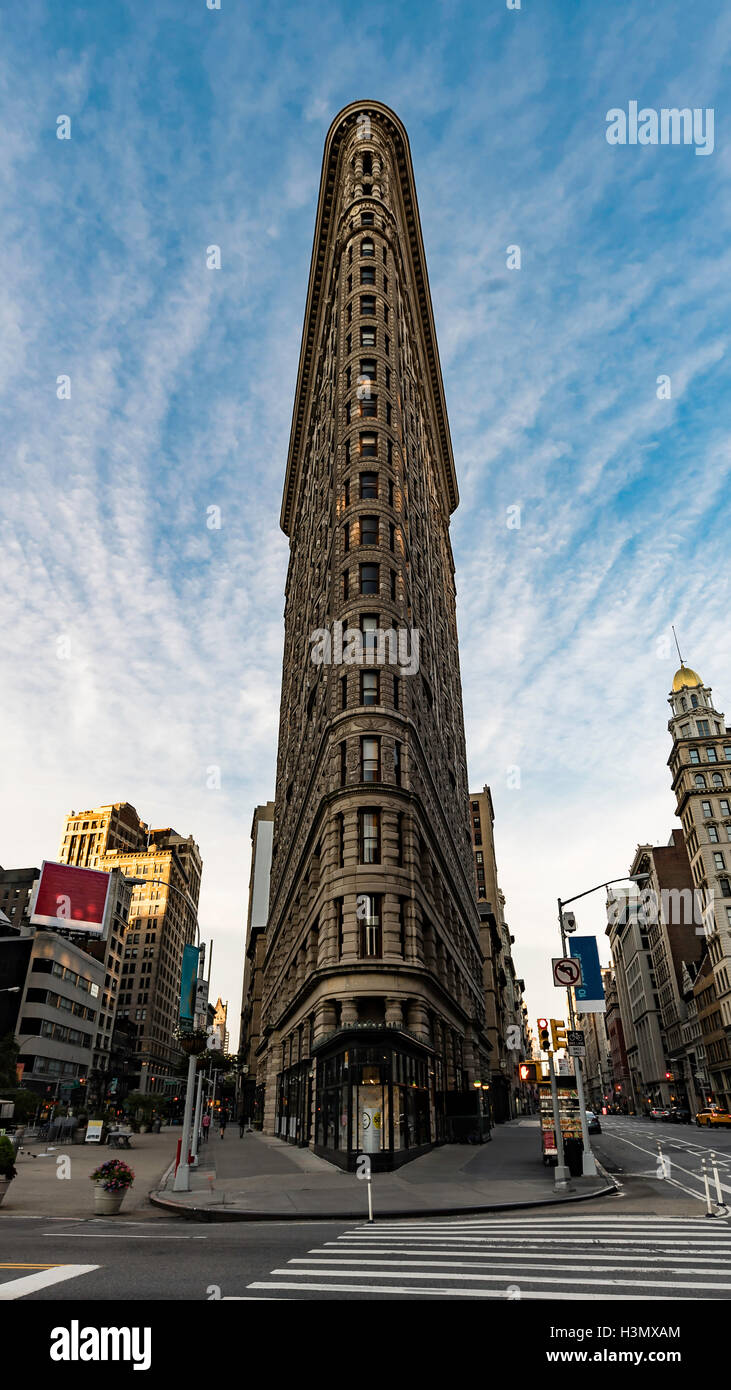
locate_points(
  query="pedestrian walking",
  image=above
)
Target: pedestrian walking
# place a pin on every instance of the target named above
(223, 1122)
(242, 1124)
(205, 1126)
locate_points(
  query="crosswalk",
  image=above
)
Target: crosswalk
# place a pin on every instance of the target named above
(570, 1258)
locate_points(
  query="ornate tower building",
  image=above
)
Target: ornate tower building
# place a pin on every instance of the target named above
(373, 1010)
(700, 763)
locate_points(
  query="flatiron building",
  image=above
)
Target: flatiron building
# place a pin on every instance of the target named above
(372, 1012)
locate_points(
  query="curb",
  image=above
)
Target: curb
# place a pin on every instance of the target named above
(220, 1214)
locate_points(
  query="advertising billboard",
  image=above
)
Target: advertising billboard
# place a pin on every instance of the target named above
(71, 898)
(589, 995)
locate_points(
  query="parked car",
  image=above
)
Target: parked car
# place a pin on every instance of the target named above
(658, 1113)
(677, 1115)
(592, 1122)
(713, 1118)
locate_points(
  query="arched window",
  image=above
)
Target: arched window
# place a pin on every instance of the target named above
(717, 779)
(700, 780)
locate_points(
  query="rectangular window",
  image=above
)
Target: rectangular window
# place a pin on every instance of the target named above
(368, 337)
(370, 759)
(368, 305)
(369, 446)
(727, 754)
(369, 530)
(367, 247)
(393, 585)
(713, 834)
(711, 755)
(341, 841)
(366, 219)
(349, 343)
(368, 369)
(725, 811)
(369, 407)
(340, 923)
(391, 536)
(368, 486)
(718, 860)
(370, 581)
(346, 537)
(347, 378)
(369, 628)
(388, 346)
(396, 692)
(388, 378)
(348, 412)
(704, 727)
(369, 687)
(397, 760)
(369, 837)
(388, 412)
(695, 756)
(343, 764)
(370, 925)
(343, 692)
(346, 584)
(368, 275)
(346, 492)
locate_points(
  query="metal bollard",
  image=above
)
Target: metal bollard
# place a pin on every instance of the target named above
(708, 1191)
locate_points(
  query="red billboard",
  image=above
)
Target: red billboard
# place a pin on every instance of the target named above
(71, 898)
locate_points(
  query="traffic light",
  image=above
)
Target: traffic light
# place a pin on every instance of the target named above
(558, 1034)
(530, 1072)
(544, 1041)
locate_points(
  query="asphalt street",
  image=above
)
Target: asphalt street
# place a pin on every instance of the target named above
(652, 1240)
(566, 1256)
(670, 1180)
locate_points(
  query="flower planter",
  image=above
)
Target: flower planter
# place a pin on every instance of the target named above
(107, 1203)
(4, 1185)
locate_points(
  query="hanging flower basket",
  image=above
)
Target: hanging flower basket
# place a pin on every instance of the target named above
(192, 1044)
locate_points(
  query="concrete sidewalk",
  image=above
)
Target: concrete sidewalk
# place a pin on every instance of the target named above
(46, 1187)
(258, 1177)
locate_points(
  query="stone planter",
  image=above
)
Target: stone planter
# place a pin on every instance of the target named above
(4, 1185)
(107, 1203)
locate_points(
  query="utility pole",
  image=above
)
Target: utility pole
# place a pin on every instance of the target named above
(588, 1162)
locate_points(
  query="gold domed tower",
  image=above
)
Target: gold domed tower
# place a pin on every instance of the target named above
(700, 763)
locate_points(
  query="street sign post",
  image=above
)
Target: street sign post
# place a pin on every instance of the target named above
(566, 972)
(576, 1041)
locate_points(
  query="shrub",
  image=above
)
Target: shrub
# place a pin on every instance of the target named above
(7, 1158)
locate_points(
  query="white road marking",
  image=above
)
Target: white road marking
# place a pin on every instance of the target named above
(32, 1283)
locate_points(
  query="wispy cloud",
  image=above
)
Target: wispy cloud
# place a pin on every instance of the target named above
(141, 647)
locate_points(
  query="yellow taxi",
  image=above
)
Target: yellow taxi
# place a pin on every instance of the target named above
(714, 1118)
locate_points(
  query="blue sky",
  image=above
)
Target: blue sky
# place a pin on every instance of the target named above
(139, 648)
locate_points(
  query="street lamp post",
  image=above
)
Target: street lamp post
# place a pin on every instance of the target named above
(588, 1164)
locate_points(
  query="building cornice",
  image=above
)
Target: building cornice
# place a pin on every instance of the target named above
(324, 232)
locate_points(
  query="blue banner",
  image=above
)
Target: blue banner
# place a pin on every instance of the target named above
(589, 995)
(188, 977)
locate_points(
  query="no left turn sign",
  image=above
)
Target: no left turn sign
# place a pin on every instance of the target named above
(566, 971)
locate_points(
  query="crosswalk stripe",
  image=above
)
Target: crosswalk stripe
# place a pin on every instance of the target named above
(534, 1278)
(505, 1261)
(31, 1283)
(510, 1256)
(462, 1293)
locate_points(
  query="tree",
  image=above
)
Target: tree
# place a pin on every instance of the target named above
(8, 1058)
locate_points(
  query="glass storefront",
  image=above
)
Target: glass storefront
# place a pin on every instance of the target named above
(377, 1099)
